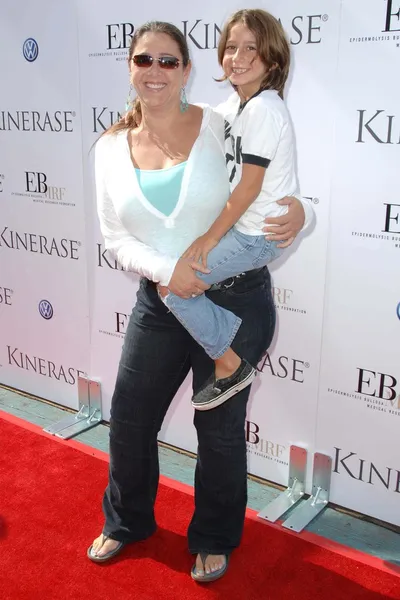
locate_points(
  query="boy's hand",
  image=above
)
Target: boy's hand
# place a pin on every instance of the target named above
(184, 281)
(198, 251)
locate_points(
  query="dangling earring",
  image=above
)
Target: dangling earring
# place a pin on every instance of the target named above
(184, 102)
(129, 100)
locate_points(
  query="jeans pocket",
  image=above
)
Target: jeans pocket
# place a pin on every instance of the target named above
(268, 253)
(246, 241)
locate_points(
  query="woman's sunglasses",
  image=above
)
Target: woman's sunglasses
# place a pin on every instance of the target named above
(166, 62)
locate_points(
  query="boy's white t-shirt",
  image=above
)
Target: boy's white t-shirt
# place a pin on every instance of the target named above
(260, 132)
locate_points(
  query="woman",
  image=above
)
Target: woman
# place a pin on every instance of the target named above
(165, 143)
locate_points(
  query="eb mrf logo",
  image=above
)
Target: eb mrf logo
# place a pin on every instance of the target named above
(392, 218)
(387, 27)
(261, 447)
(392, 21)
(378, 385)
(36, 183)
(119, 35)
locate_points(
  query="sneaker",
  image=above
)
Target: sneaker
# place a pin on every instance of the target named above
(217, 391)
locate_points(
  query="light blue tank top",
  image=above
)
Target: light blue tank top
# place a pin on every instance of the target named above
(162, 187)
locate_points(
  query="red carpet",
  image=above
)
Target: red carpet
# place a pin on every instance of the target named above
(50, 511)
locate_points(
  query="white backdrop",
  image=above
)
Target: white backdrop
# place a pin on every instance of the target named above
(359, 399)
(330, 381)
(42, 218)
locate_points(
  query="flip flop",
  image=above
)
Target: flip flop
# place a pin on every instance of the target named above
(208, 577)
(99, 559)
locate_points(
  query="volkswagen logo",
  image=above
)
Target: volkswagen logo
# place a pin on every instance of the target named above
(45, 309)
(30, 49)
(398, 310)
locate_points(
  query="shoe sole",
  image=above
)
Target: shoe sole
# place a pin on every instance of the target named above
(209, 577)
(228, 394)
(105, 557)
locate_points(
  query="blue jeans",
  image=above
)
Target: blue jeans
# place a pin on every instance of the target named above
(213, 327)
(157, 355)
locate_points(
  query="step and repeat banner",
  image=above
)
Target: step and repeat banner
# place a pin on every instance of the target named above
(44, 302)
(359, 389)
(330, 381)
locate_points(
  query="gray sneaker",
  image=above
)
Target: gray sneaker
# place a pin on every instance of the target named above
(217, 391)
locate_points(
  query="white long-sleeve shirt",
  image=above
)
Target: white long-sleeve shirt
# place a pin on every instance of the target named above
(142, 238)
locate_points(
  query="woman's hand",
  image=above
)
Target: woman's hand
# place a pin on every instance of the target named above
(285, 228)
(199, 250)
(184, 282)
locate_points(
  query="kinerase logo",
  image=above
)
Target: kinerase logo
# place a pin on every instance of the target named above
(305, 29)
(42, 366)
(33, 120)
(348, 464)
(103, 118)
(39, 244)
(301, 29)
(104, 259)
(30, 50)
(6, 295)
(204, 36)
(46, 309)
(377, 126)
(284, 367)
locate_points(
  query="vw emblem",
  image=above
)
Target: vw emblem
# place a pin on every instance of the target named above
(45, 309)
(398, 310)
(30, 49)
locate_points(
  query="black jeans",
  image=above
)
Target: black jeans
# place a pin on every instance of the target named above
(156, 357)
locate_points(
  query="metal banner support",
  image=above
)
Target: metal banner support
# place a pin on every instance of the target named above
(296, 486)
(304, 514)
(88, 416)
